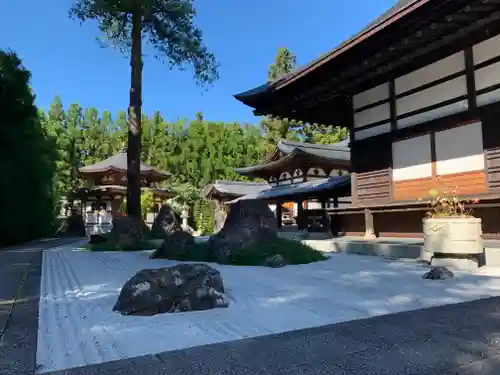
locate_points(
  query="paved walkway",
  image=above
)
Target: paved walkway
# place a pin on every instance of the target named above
(20, 273)
(461, 339)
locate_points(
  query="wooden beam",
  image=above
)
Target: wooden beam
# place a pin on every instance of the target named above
(392, 105)
(392, 60)
(470, 78)
(279, 214)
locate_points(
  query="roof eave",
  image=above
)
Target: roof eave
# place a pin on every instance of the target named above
(152, 172)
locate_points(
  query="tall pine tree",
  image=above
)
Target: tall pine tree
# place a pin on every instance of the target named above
(168, 27)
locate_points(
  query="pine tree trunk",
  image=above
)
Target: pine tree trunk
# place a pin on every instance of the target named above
(134, 117)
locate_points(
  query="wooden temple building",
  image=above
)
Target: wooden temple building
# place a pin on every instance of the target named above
(302, 176)
(105, 187)
(419, 89)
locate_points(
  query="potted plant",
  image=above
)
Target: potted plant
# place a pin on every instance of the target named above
(449, 226)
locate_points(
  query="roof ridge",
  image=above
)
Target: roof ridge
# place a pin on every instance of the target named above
(333, 146)
(241, 182)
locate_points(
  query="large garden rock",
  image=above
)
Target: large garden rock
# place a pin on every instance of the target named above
(275, 261)
(183, 287)
(166, 222)
(127, 232)
(174, 246)
(248, 222)
(438, 273)
(72, 226)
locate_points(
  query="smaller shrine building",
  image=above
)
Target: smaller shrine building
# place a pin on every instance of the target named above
(105, 188)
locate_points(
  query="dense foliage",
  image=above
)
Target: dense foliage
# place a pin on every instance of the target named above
(195, 152)
(27, 158)
(295, 252)
(41, 151)
(281, 128)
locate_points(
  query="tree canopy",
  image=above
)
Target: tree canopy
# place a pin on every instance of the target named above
(27, 158)
(42, 150)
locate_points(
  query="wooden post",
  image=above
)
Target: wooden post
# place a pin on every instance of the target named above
(335, 201)
(279, 215)
(300, 214)
(369, 227)
(323, 204)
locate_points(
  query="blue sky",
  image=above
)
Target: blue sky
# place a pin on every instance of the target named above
(65, 58)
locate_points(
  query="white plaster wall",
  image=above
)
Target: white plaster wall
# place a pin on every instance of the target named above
(486, 50)
(321, 173)
(487, 76)
(460, 149)
(371, 115)
(443, 111)
(371, 132)
(433, 95)
(371, 96)
(412, 158)
(312, 205)
(285, 179)
(488, 97)
(429, 73)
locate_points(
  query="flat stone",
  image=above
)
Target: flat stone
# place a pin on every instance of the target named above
(263, 354)
(18, 345)
(146, 365)
(489, 366)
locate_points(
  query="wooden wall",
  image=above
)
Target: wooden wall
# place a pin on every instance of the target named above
(437, 127)
(408, 223)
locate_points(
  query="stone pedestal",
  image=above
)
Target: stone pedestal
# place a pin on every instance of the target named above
(184, 217)
(453, 242)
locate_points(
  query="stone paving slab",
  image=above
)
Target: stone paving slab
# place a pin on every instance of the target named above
(20, 275)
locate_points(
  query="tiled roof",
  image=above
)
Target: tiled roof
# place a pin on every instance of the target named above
(308, 187)
(118, 162)
(233, 188)
(336, 153)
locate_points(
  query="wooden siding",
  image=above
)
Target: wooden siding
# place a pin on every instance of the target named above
(491, 143)
(374, 186)
(467, 183)
(492, 157)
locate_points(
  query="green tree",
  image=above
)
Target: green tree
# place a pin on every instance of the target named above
(27, 158)
(279, 128)
(324, 134)
(168, 27)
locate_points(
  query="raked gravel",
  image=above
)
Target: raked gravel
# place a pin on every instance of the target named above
(77, 326)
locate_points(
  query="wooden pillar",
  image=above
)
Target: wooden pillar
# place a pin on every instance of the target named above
(323, 203)
(116, 206)
(369, 227)
(300, 215)
(279, 215)
(335, 202)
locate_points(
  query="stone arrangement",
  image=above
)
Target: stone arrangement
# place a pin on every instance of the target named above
(183, 287)
(127, 232)
(176, 244)
(248, 222)
(176, 241)
(165, 223)
(73, 226)
(438, 273)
